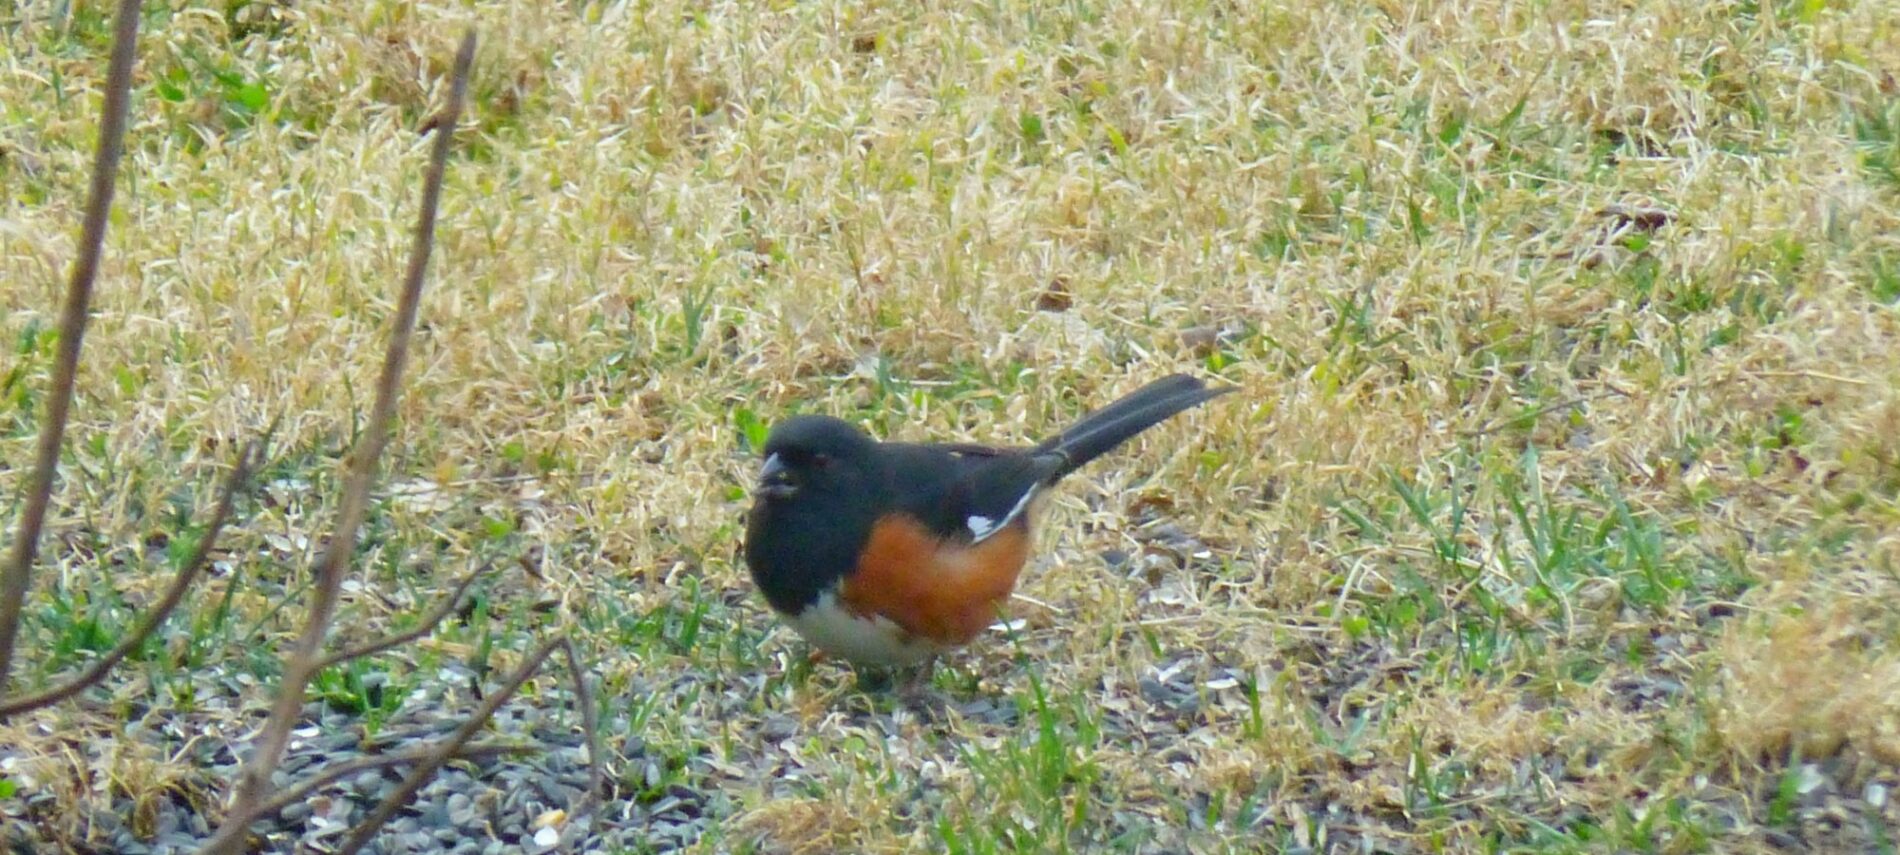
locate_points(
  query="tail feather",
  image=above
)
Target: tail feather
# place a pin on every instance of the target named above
(1099, 432)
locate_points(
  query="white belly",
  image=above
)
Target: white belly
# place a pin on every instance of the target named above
(864, 640)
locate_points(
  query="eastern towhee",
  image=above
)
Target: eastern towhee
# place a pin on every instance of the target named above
(888, 553)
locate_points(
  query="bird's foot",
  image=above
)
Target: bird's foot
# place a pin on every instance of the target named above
(919, 694)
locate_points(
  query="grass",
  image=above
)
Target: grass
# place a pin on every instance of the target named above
(1557, 513)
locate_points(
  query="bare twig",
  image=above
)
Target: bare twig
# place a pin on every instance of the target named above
(366, 831)
(307, 655)
(17, 575)
(337, 771)
(590, 727)
(426, 626)
(153, 619)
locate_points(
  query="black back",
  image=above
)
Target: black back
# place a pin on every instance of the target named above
(966, 482)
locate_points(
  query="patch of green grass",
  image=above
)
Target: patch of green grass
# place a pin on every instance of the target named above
(1041, 785)
(236, 96)
(1877, 131)
(1883, 280)
(1522, 587)
(360, 687)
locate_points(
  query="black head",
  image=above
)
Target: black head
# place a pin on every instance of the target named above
(817, 498)
(815, 455)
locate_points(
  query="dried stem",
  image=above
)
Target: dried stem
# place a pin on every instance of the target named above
(17, 576)
(366, 831)
(590, 725)
(188, 574)
(427, 625)
(306, 657)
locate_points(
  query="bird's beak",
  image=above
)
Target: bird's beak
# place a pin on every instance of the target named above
(775, 479)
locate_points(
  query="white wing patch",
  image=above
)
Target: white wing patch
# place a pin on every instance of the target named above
(982, 527)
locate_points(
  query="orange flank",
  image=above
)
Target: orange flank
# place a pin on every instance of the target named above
(940, 590)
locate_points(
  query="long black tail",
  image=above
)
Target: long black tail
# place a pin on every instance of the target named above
(1110, 426)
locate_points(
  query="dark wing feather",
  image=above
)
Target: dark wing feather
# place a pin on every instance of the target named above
(966, 492)
(944, 486)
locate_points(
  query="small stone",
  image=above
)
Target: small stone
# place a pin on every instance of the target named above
(1642, 218)
(462, 812)
(367, 783)
(1783, 840)
(432, 814)
(1809, 779)
(341, 743)
(1057, 297)
(778, 728)
(1200, 340)
(178, 842)
(326, 831)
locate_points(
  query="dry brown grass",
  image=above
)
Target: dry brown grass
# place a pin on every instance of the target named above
(1558, 512)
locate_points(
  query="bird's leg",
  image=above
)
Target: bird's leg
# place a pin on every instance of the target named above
(916, 690)
(919, 680)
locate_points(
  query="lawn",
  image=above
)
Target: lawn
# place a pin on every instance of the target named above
(1558, 511)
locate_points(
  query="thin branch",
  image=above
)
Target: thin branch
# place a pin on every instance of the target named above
(427, 625)
(590, 727)
(306, 656)
(366, 831)
(337, 771)
(153, 619)
(18, 573)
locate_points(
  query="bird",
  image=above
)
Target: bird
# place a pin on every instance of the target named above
(889, 554)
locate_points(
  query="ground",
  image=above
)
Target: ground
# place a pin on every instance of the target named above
(1557, 511)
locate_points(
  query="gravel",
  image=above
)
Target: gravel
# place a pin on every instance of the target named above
(661, 799)
(508, 803)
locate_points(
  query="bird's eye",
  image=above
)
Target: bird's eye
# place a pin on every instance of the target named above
(821, 461)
